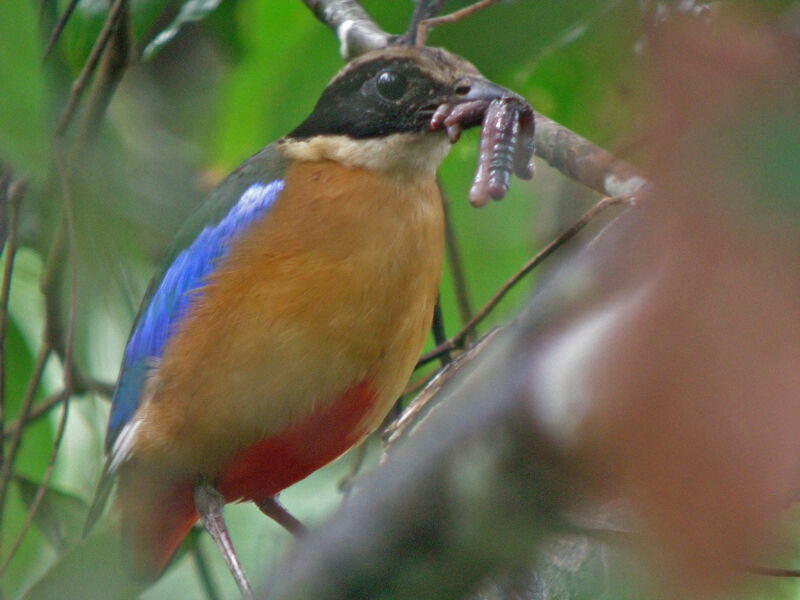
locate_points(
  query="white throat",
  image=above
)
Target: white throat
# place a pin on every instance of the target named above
(401, 153)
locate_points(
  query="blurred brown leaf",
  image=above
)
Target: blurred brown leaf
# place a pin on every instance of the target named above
(696, 382)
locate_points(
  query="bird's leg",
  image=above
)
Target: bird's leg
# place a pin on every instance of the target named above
(278, 513)
(209, 503)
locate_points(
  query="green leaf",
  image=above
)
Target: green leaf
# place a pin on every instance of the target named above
(59, 516)
(32, 459)
(23, 93)
(92, 569)
(191, 12)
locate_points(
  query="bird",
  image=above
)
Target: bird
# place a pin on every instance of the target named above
(291, 308)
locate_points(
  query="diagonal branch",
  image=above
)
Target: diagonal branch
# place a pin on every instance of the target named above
(112, 66)
(458, 340)
(79, 86)
(59, 28)
(356, 30)
(35, 413)
(584, 161)
(560, 147)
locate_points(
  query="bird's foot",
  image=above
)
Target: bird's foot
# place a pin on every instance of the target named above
(209, 503)
(278, 513)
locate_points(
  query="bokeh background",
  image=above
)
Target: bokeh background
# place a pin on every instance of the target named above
(236, 75)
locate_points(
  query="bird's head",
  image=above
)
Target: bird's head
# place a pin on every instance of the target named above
(377, 112)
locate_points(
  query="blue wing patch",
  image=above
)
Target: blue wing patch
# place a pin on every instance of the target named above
(182, 283)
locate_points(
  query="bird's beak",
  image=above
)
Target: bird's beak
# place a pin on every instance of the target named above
(467, 104)
(471, 89)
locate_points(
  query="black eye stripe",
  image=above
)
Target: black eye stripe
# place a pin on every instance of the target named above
(375, 99)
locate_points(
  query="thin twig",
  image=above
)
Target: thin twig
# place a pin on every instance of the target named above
(16, 439)
(439, 333)
(458, 340)
(50, 286)
(62, 22)
(773, 572)
(37, 412)
(82, 384)
(357, 458)
(427, 24)
(68, 217)
(8, 464)
(456, 264)
(426, 9)
(112, 67)
(5, 181)
(14, 197)
(416, 385)
(80, 83)
(428, 387)
(204, 572)
(37, 500)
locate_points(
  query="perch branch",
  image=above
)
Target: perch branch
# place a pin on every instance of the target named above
(356, 30)
(585, 162)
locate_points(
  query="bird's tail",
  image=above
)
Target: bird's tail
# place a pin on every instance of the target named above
(101, 494)
(156, 515)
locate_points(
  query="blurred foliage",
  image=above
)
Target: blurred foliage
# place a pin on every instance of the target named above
(223, 79)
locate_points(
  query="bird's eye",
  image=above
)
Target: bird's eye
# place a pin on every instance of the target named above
(391, 85)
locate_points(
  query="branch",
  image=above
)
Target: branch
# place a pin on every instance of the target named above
(79, 86)
(773, 572)
(35, 413)
(458, 340)
(51, 287)
(13, 198)
(455, 263)
(560, 147)
(113, 63)
(5, 182)
(59, 28)
(356, 30)
(37, 501)
(585, 162)
(16, 439)
(433, 384)
(69, 227)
